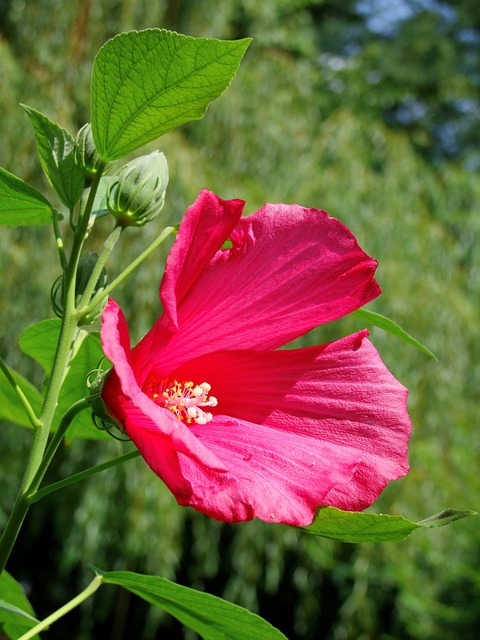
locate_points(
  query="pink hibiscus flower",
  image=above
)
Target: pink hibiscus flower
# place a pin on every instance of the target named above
(236, 428)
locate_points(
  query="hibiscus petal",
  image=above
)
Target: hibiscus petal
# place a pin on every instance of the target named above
(205, 227)
(273, 475)
(134, 410)
(340, 394)
(289, 270)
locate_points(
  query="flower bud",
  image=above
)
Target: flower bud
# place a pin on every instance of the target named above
(137, 193)
(85, 152)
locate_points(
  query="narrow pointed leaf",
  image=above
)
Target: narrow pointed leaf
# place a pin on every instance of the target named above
(145, 83)
(211, 617)
(447, 516)
(39, 341)
(21, 204)
(11, 407)
(16, 613)
(350, 526)
(391, 327)
(55, 147)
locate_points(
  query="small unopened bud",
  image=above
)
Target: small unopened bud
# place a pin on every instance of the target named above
(137, 194)
(85, 153)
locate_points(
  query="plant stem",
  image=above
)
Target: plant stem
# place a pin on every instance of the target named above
(59, 240)
(108, 246)
(65, 422)
(82, 475)
(133, 265)
(86, 593)
(32, 475)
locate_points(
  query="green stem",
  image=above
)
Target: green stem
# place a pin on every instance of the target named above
(57, 437)
(68, 332)
(82, 475)
(59, 241)
(71, 220)
(26, 404)
(108, 246)
(100, 297)
(86, 593)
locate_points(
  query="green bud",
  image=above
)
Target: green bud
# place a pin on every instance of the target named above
(137, 193)
(85, 153)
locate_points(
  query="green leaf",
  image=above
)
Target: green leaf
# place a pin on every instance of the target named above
(352, 526)
(211, 617)
(11, 407)
(55, 147)
(145, 83)
(39, 341)
(391, 327)
(447, 516)
(21, 204)
(16, 613)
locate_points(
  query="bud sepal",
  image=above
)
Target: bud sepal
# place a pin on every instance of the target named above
(137, 193)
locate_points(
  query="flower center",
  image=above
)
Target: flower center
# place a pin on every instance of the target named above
(184, 399)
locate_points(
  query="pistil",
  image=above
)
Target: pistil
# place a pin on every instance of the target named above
(185, 400)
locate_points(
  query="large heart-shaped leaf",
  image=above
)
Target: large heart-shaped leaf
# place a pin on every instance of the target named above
(145, 83)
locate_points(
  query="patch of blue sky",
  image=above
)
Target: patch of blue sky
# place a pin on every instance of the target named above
(385, 16)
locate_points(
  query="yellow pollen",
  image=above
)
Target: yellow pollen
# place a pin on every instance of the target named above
(185, 400)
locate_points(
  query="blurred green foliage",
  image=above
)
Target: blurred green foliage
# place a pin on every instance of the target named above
(327, 113)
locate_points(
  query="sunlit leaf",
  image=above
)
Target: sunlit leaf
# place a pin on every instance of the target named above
(55, 148)
(352, 526)
(145, 83)
(21, 204)
(16, 613)
(391, 327)
(211, 617)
